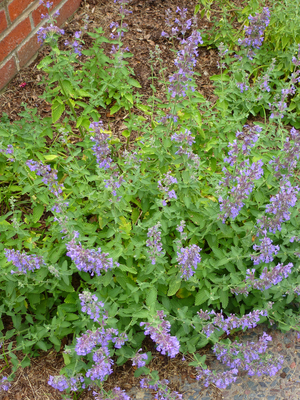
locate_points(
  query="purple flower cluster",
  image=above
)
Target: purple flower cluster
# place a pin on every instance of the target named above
(154, 243)
(232, 322)
(114, 182)
(244, 179)
(185, 62)
(101, 148)
(116, 394)
(4, 384)
(94, 308)
(42, 33)
(164, 187)
(266, 251)
(291, 155)
(122, 11)
(268, 278)
(159, 333)
(139, 359)
(92, 261)
(188, 258)
(49, 176)
(161, 387)
(245, 174)
(279, 207)
(186, 140)
(221, 379)
(8, 150)
(242, 86)
(76, 46)
(254, 33)
(61, 383)
(24, 262)
(247, 356)
(88, 342)
(183, 24)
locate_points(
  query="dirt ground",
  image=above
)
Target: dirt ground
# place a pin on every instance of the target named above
(145, 26)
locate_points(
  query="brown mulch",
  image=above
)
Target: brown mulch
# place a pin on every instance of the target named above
(145, 26)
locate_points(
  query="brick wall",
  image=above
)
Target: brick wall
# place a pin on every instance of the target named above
(19, 23)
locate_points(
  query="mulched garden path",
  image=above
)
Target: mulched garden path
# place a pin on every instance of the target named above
(145, 26)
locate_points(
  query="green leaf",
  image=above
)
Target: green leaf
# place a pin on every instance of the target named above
(174, 286)
(201, 297)
(224, 297)
(221, 78)
(114, 109)
(129, 97)
(50, 157)
(66, 358)
(57, 110)
(151, 297)
(126, 133)
(42, 345)
(37, 212)
(134, 83)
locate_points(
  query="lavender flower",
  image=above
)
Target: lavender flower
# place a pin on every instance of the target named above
(221, 379)
(161, 387)
(58, 382)
(43, 33)
(185, 62)
(101, 369)
(254, 33)
(114, 182)
(242, 86)
(154, 243)
(139, 359)
(4, 384)
(279, 207)
(49, 176)
(291, 154)
(164, 187)
(187, 259)
(101, 148)
(268, 278)
(92, 261)
(76, 46)
(244, 179)
(24, 262)
(116, 394)
(159, 333)
(186, 140)
(232, 322)
(267, 250)
(247, 356)
(93, 307)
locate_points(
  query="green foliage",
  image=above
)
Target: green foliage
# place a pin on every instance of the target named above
(44, 304)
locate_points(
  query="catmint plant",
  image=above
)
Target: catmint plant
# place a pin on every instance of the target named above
(254, 33)
(158, 330)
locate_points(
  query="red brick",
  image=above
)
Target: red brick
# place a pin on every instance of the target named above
(37, 13)
(17, 7)
(28, 50)
(67, 10)
(14, 38)
(7, 72)
(3, 22)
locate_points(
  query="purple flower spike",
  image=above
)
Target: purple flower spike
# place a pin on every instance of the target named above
(139, 359)
(188, 258)
(24, 262)
(93, 307)
(154, 243)
(92, 261)
(159, 333)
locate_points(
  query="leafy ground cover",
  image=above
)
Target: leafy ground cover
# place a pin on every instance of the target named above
(169, 214)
